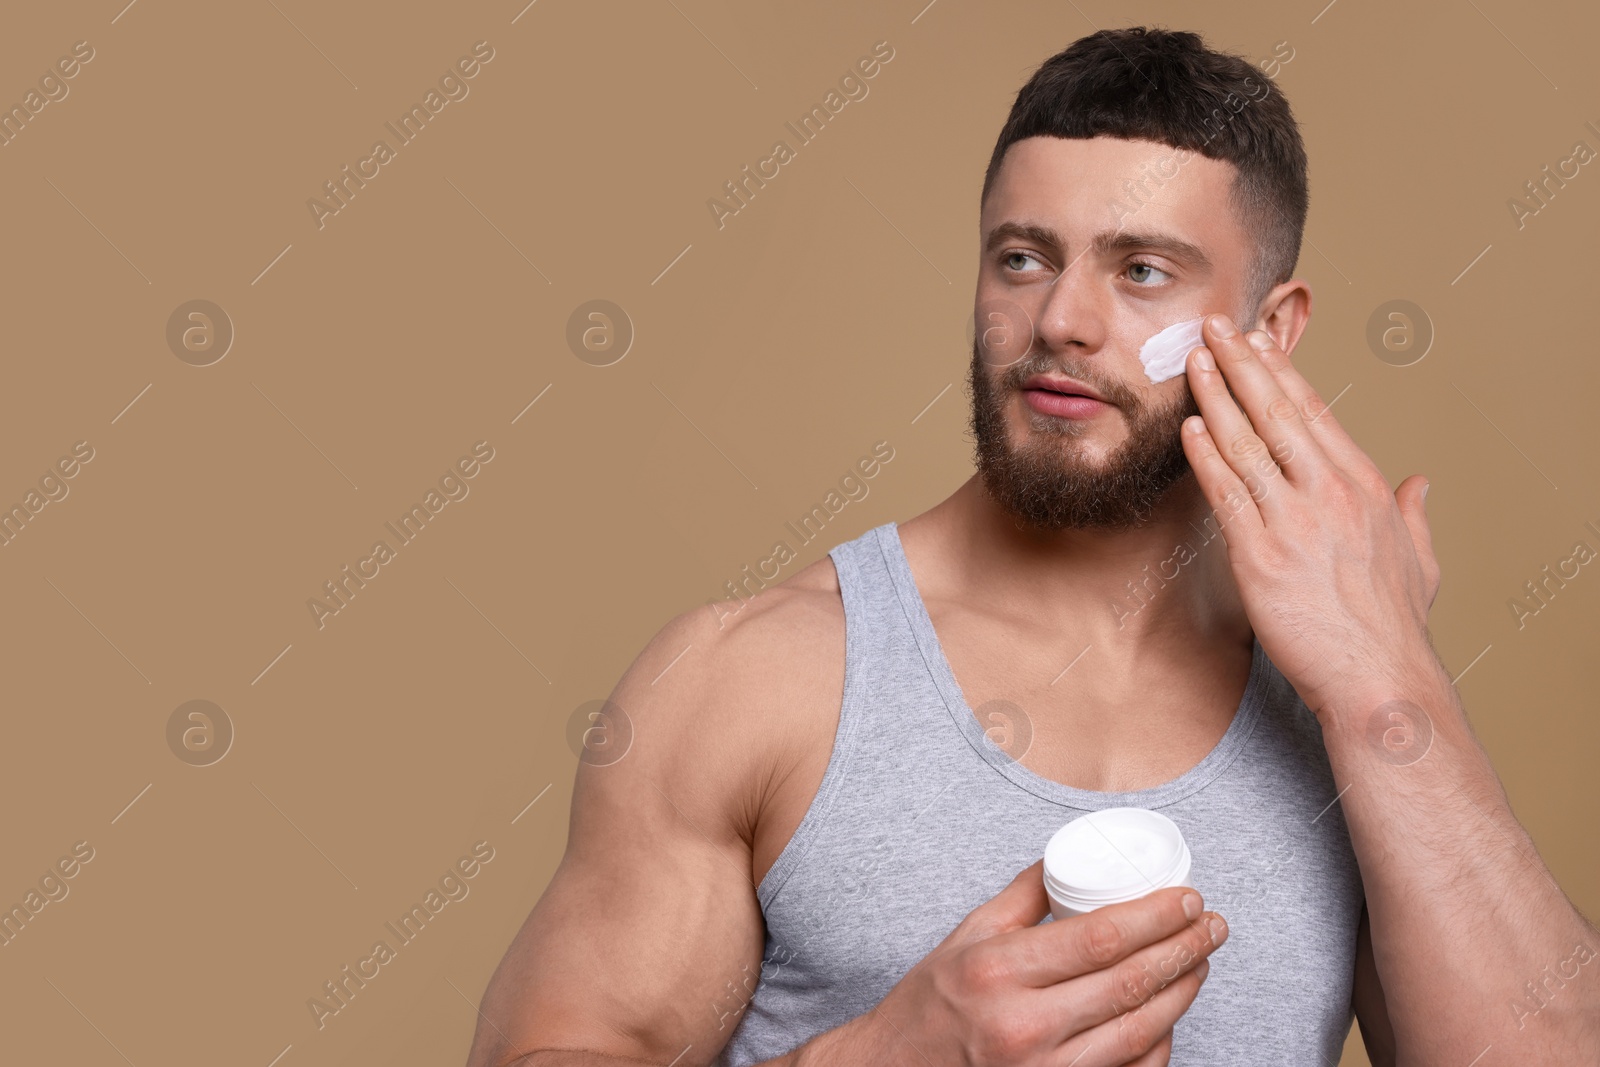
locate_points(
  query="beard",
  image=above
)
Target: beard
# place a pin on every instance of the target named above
(1048, 483)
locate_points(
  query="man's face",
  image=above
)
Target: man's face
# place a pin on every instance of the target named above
(1077, 271)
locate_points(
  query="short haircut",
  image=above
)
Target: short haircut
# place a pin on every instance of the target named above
(1166, 86)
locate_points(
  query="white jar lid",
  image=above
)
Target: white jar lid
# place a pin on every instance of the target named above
(1114, 855)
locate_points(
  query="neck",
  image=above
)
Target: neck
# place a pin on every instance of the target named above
(1148, 590)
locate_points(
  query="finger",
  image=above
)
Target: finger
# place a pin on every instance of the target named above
(1230, 498)
(1409, 496)
(1132, 1035)
(1126, 987)
(1335, 442)
(1263, 419)
(1083, 944)
(1020, 905)
(1244, 451)
(1160, 1054)
(1256, 370)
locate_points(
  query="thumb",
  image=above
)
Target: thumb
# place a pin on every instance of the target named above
(1020, 904)
(1409, 496)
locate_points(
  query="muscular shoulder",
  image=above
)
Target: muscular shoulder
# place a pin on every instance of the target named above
(786, 631)
(725, 704)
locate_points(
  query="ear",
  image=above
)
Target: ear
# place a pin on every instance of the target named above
(1284, 313)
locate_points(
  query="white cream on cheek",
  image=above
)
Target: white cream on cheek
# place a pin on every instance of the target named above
(1164, 355)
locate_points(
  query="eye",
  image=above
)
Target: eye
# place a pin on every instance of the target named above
(1141, 265)
(1013, 255)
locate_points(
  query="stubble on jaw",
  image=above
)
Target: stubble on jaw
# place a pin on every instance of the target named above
(1046, 483)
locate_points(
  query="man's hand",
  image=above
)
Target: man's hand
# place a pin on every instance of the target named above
(1094, 990)
(1335, 573)
(1337, 576)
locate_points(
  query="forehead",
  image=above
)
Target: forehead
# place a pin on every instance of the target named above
(1084, 186)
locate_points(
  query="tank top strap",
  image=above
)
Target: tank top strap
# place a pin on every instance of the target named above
(876, 628)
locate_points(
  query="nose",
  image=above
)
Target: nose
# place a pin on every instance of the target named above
(1074, 317)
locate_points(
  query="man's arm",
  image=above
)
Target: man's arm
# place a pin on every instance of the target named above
(1477, 946)
(649, 937)
(647, 945)
(1366, 997)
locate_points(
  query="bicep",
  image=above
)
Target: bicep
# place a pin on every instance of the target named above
(1366, 997)
(648, 939)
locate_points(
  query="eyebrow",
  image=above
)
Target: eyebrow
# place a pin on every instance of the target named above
(1107, 242)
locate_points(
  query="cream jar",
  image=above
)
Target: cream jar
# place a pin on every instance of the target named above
(1111, 856)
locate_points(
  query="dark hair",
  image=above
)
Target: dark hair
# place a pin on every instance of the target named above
(1166, 86)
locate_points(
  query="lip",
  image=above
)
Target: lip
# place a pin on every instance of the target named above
(1067, 386)
(1063, 406)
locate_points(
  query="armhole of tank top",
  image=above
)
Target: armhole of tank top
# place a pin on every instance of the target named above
(795, 848)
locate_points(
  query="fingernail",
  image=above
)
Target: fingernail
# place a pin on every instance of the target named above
(1201, 968)
(1219, 930)
(1258, 340)
(1425, 487)
(1222, 326)
(1204, 361)
(1191, 905)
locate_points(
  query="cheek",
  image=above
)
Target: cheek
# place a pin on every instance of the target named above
(997, 379)
(1176, 391)
(1169, 401)
(1002, 331)
(1163, 355)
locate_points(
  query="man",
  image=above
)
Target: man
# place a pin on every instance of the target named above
(1192, 594)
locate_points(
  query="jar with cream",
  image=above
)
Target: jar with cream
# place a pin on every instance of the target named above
(1112, 856)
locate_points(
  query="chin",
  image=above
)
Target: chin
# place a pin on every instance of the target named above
(1092, 438)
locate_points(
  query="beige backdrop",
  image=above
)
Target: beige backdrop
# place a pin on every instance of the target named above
(365, 753)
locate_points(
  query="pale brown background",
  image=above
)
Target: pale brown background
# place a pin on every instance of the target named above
(430, 312)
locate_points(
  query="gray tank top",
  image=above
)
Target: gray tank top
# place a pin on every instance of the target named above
(920, 818)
